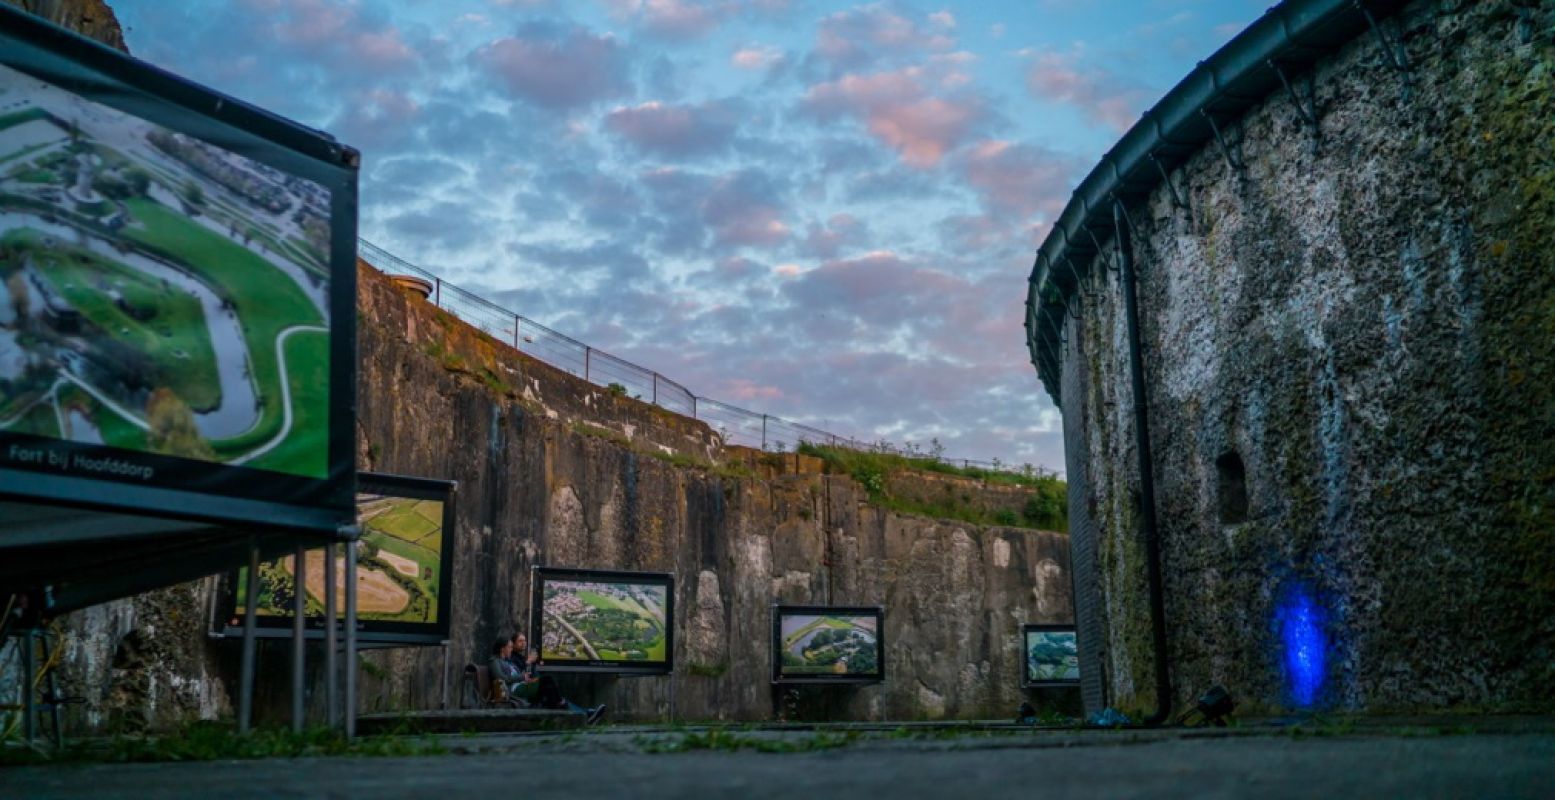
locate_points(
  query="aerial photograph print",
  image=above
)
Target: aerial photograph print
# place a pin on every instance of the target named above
(158, 293)
(1052, 656)
(398, 571)
(603, 621)
(829, 644)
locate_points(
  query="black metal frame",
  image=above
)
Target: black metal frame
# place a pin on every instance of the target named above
(182, 488)
(537, 578)
(779, 611)
(1025, 655)
(369, 632)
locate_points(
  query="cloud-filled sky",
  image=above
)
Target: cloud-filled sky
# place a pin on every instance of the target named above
(821, 211)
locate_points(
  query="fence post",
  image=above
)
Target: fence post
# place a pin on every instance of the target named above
(515, 331)
(588, 352)
(437, 292)
(694, 407)
(763, 432)
(655, 388)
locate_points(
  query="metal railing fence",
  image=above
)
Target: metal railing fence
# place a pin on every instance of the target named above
(736, 425)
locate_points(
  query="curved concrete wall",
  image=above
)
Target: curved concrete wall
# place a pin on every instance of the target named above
(1366, 318)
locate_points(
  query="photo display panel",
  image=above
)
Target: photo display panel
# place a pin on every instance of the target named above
(1052, 655)
(828, 644)
(404, 585)
(603, 621)
(177, 293)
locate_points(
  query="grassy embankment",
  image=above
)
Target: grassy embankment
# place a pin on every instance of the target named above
(1045, 509)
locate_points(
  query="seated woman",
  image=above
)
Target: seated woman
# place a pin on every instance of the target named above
(503, 671)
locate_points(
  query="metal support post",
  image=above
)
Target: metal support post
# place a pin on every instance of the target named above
(350, 581)
(588, 356)
(437, 292)
(299, 639)
(444, 704)
(54, 698)
(29, 690)
(655, 388)
(763, 431)
(246, 679)
(331, 674)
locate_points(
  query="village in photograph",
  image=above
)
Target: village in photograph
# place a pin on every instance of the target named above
(157, 293)
(604, 621)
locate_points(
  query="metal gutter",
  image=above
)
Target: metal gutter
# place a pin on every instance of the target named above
(1284, 43)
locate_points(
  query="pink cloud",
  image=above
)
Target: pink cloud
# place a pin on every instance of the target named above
(557, 68)
(667, 130)
(755, 57)
(897, 109)
(1097, 93)
(673, 19)
(827, 241)
(741, 213)
(854, 38)
(1018, 180)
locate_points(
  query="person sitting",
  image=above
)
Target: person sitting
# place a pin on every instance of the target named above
(504, 675)
(535, 689)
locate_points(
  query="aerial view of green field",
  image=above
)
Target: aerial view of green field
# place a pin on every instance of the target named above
(399, 567)
(603, 621)
(1052, 656)
(158, 293)
(829, 645)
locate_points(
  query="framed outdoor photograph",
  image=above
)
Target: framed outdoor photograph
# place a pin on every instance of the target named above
(404, 572)
(604, 621)
(1051, 656)
(828, 644)
(177, 294)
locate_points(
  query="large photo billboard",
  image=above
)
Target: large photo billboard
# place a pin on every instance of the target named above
(828, 644)
(404, 569)
(1052, 655)
(603, 621)
(176, 292)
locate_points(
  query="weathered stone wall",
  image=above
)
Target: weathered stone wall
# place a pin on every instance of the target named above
(540, 483)
(1369, 324)
(555, 471)
(87, 17)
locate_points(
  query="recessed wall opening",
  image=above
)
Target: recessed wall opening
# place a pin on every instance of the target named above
(1232, 483)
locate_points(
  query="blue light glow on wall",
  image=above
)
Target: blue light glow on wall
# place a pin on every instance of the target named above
(1300, 623)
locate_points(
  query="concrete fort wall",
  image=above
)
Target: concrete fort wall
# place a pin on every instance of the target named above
(555, 471)
(1358, 329)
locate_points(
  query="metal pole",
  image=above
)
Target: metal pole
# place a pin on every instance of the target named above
(29, 693)
(763, 431)
(655, 388)
(350, 581)
(437, 292)
(246, 680)
(59, 735)
(694, 407)
(331, 674)
(444, 704)
(299, 608)
(588, 353)
(515, 331)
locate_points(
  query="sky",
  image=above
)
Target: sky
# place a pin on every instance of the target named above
(826, 212)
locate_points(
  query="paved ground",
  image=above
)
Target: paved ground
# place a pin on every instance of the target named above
(876, 766)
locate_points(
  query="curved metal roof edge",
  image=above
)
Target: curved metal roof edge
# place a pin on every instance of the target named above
(1287, 40)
